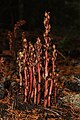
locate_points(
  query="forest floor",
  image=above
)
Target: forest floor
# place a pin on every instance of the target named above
(68, 103)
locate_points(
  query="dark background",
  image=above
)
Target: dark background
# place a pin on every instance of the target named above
(64, 13)
(65, 19)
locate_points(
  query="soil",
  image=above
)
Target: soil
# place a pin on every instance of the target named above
(13, 107)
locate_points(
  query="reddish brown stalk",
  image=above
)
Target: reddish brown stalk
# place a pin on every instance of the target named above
(53, 72)
(19, 61)
(50, 92)
(26, 83)
(31, 80)
(39, 83)
(24, 62)
(52, 80)
(38, 54)
(31, 50)
(34, 86)
(55, 93)
(47, 39)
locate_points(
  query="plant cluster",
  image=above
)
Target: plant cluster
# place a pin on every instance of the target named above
(37, 63)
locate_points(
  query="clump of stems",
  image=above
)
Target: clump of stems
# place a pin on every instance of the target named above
(35, 67)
